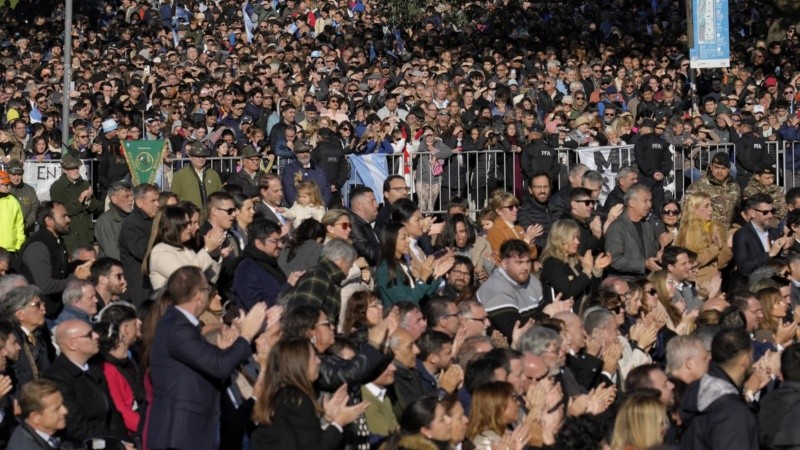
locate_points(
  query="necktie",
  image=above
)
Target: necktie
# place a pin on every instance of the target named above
(54, 442)
(31, 339)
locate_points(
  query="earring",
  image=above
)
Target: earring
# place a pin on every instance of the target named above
(313, 340)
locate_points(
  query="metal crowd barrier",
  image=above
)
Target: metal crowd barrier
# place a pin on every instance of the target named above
(689, 163)
(471, 175)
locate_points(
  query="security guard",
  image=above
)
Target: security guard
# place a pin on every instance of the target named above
(763, 182)
(25, 193)
(724, 192)
(751, 152)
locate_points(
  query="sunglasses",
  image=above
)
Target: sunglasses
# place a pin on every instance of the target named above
(652, 291)
(587, 202)
(670, 212)
(229, 211)
(510, 207)
(344, 225)
(765, 211)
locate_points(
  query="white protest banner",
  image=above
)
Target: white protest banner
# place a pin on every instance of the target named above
(608, 161)
(42, 174)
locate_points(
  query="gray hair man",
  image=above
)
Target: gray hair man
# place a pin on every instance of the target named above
(80, 302)
(322, 285)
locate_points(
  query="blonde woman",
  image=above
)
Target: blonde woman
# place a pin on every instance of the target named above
(700, 234)
(641, 423)
(566, 272)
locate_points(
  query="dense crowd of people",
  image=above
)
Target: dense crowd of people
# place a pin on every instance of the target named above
(256, 297)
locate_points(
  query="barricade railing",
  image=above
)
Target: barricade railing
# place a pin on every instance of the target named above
(471, 175)
(689, 163)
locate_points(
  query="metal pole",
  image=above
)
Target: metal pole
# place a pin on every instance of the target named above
(67, 73)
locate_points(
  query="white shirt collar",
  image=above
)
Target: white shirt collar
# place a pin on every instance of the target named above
(376, 390)
(189, 316)
(42, 435)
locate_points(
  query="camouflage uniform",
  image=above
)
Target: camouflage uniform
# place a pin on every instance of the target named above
(776, 193)
(724, 197)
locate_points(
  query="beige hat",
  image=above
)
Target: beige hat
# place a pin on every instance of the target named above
(582, 120)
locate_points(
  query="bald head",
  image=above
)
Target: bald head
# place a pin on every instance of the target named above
(77, 341)
(717, 304)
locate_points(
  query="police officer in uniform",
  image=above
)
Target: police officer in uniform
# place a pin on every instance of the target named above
(654, 161)
(751, 152)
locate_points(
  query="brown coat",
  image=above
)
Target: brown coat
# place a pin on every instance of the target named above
(501, 232)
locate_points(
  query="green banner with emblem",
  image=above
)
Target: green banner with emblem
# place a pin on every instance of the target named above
(144, 159)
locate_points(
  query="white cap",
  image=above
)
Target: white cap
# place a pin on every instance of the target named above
(109, 125)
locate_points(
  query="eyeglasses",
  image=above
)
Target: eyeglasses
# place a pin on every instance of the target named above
(609, 114)
(586, 202)
(579, 98)
(89, 335)
(378, 305)
(670, 212)
(478, 319)
(509, 207)
(788, 92)
(230, 211)
(325, 323)
(276, 241)
(765, 211)
(36, 304)
(555, 351)
(343, 225)
(460, 273)
(652, 291)
(447, 316)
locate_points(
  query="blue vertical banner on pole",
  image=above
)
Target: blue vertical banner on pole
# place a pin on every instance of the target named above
(712, 43)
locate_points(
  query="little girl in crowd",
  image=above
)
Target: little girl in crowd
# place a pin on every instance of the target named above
(309, 204)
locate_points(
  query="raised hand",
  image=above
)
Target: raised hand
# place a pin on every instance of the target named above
(213, 239)
(533, 232)
(451, 378)
(519, 331)
(252, 322)
(602, 261)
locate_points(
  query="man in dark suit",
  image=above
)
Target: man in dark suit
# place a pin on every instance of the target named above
(91, 411)
(587, 368)
(394, 189)
(133, 241)
(43, 414)
(754, 244)
(630, 240)
(364, 211)
(188, 372)
(271, 192)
